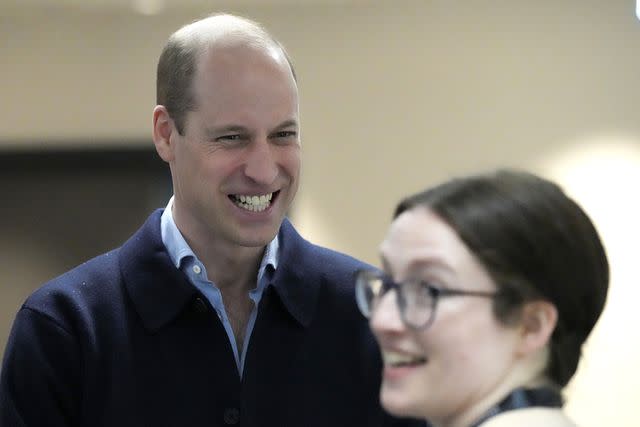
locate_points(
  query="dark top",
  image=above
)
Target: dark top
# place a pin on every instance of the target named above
(522, 398)
(126, 340)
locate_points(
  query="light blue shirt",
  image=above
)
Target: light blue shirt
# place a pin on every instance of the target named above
(184, 259)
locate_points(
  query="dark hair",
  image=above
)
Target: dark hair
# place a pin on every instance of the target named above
(178, 63)
(176, 68)
(536, 243)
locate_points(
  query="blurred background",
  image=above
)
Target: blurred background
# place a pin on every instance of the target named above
(396, 95)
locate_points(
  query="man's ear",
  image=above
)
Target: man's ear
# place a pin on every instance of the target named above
(537, 322)
(163, 127)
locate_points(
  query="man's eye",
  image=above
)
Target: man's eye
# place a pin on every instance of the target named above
(233, 137)
(232, 140)
(285, 134)
(284, 137)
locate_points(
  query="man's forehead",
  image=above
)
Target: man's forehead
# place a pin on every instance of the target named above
(242, 53)
(257, 68)
(219, 28)
(219, 35)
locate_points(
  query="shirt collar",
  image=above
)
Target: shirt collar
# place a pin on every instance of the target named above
(178, 248)
(160, 291)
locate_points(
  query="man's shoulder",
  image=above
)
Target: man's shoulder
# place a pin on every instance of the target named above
(320, 267)
(93, 279)
(92, 276)
(328, 257)
(314, 255)
(97, 281)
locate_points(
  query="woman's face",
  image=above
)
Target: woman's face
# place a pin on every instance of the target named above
(444, 370)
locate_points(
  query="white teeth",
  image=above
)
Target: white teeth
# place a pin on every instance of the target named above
(256, 203)
(393, 358)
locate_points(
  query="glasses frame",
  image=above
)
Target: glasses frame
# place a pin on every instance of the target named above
(364, 278)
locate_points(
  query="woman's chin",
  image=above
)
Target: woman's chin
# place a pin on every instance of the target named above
(400, 404)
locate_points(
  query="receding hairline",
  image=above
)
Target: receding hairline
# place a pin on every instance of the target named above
(184, 51)
(225, 31)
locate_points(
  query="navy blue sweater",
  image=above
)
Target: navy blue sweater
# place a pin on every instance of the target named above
(126, 340)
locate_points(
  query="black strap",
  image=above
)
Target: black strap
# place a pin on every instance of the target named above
(524, 398)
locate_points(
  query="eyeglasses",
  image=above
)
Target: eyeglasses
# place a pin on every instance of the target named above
(416, 299)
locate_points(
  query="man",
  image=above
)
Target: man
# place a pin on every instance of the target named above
(216, 312)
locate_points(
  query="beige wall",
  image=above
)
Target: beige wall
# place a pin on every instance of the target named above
(396, 95)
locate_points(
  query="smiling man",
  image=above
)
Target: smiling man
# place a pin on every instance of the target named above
(216, 312)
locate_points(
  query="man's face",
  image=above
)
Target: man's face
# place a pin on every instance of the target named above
(236, 168)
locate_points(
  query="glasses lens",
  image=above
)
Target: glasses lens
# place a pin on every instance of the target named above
(369, 289)
(417, 303)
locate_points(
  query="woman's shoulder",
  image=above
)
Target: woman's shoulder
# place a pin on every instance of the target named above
(531, 417)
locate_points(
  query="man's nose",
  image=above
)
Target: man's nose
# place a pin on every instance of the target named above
(261, 163)
(385, 315)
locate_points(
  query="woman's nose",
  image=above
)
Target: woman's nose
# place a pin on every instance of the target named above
(385, 315)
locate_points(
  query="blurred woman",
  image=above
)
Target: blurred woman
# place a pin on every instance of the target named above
(491, 285)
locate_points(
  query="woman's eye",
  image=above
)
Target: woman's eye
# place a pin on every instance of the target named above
(433, 291)
(432, 287)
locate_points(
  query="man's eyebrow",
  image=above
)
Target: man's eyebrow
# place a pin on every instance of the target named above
(287, 124)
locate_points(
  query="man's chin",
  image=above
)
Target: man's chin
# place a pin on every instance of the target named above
(254, 231)
(257, 238)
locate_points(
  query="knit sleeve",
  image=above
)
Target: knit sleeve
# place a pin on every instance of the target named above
(40, 377)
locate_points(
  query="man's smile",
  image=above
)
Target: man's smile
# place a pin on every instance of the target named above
(254, 202)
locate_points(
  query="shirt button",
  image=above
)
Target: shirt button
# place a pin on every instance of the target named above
(231, 416)
(196, 269)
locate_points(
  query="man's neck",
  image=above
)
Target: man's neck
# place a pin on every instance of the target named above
(235, 271)
(232, 267)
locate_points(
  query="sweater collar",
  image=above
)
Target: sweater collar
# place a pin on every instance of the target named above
(160, 291)
(297, 280)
